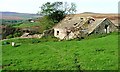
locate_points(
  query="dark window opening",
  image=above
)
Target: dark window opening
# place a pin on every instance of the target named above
(75, 24)
(96, 32)
(57, 32)
(70, 18)
(81, 18)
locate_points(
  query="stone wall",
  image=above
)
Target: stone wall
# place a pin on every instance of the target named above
(101, 28)
(59, 33)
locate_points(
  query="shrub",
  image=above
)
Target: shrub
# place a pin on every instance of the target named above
(9, 36)
(49, 38)
(35, 41)
(16, 34)
(5, 43)
(92, 36)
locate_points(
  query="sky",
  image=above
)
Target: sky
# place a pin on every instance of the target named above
(32, 6)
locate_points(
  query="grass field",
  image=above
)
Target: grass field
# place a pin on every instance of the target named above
(91, 54)
(27, 25)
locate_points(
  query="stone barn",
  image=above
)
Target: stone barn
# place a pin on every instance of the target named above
(75, 27)
(101, 26)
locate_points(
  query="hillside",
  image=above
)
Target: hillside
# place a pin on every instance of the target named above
(92, 54)
(14, 15)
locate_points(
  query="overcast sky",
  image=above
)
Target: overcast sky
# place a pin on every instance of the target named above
(32, 6)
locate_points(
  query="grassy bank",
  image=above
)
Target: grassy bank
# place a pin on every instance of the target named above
(91, 54)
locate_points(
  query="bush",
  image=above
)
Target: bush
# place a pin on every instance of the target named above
(92, 36)
(9, 36)
(49, 38)
(5, 43)
(16, 34)
(35, 41)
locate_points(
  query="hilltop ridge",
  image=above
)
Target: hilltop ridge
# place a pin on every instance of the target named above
(9, 15)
